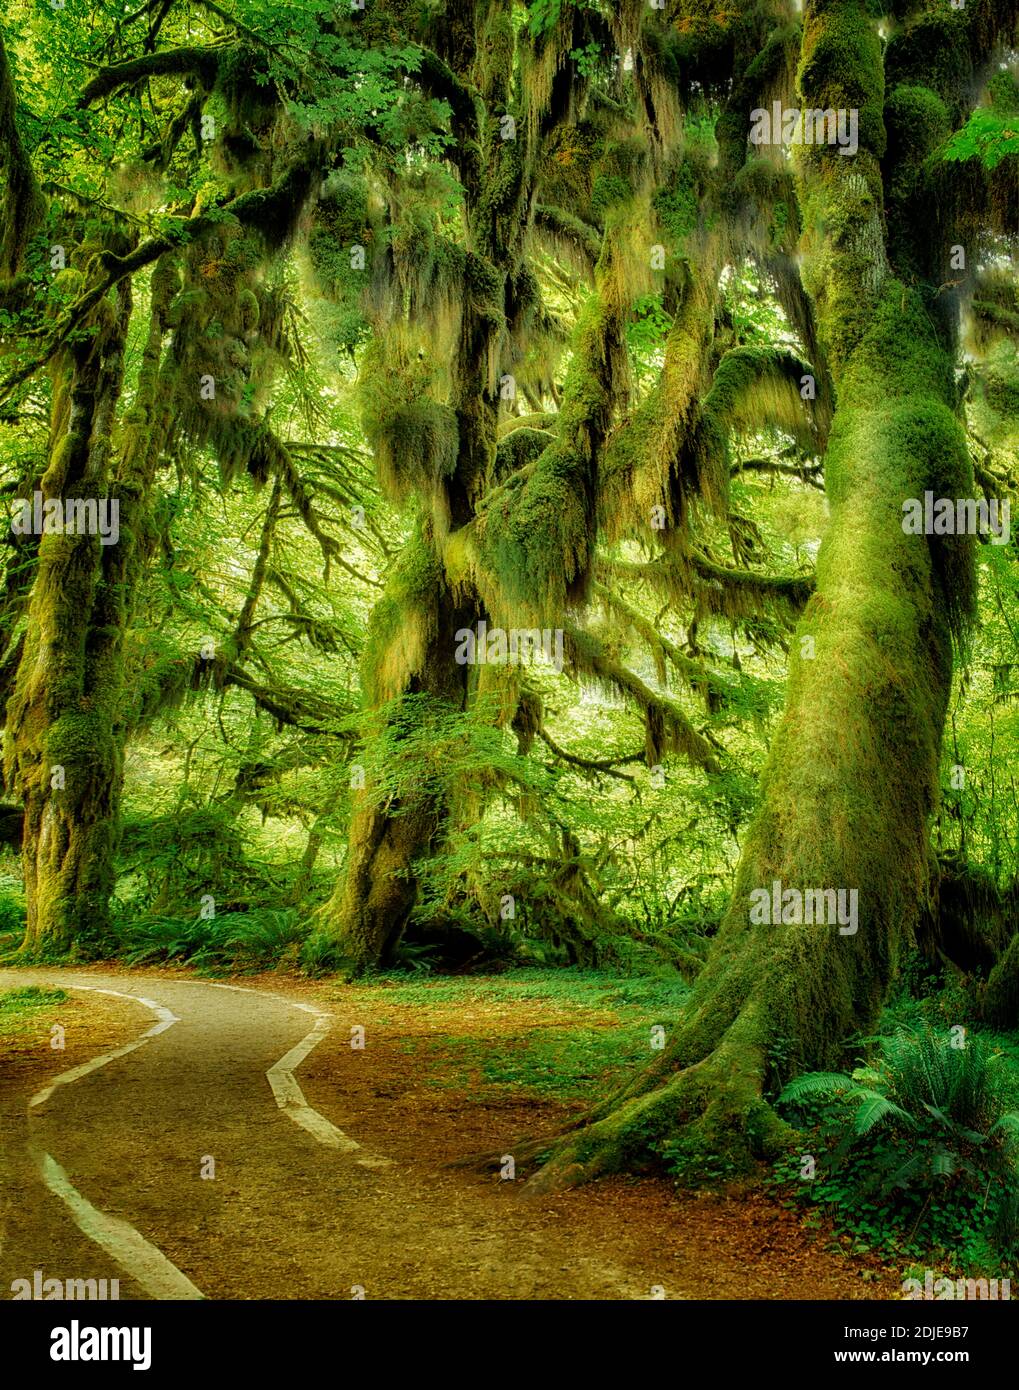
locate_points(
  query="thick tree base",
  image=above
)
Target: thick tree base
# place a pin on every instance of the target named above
(710, 1117)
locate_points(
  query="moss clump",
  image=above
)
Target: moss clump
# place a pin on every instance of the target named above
(917, 121)
(841, 68)
(518, 449)
(608, 190)
(932, 51)
(341, 224)
(415, 438)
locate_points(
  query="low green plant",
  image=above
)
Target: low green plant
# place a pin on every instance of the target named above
(230, 941)
(917, 1151)
(16, 1001)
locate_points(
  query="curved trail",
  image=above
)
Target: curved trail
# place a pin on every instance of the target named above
(137, 1256)
(111, 1105)
(188, 1162)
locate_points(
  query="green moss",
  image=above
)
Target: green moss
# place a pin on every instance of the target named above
(415, 438)
(608, 191)
(932, 51)
(754, 387)
(402, 622)
(539, 538)
(917, 121)
(517, 449)
(841, 68)
(900, 381)
(768, 190)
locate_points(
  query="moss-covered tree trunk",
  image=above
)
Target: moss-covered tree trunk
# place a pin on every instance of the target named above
(412, 644)
(63, 756)
(852, 775)
(386, 840)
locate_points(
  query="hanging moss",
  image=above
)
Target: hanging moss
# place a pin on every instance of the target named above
(539, 538)
(229, 341)
(753, 388)
(763, 192)
(655, 459)
(402, 623)
(415, 438)
(667, 727)
(252, 106)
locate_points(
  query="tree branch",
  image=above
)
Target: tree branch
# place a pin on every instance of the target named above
(200, 61)
(607, 765)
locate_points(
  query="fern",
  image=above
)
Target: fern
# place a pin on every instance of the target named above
(920, 1128)
(813, 1085)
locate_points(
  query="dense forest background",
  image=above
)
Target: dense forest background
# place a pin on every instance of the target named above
(382, 322)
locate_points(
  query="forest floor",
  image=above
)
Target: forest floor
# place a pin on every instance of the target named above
(364, 1197)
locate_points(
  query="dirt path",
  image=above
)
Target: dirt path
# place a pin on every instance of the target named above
(293, 1211)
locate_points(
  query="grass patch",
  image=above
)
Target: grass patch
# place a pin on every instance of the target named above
(581, 989)
(599, 1027)
(17, 1006)
(551, 1063)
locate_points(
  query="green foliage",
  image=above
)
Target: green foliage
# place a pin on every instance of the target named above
(988, 136)
(918, 1151)
(646, 333)
(12, 906)
(229, 942)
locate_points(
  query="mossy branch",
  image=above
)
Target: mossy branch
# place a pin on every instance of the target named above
(667, 727)
(607, 766)
(795, 589)
(812, 474)
(560, 223)
(196, 60)
(297, 709)
(677, 576)
(259, 209)
(692, 673)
